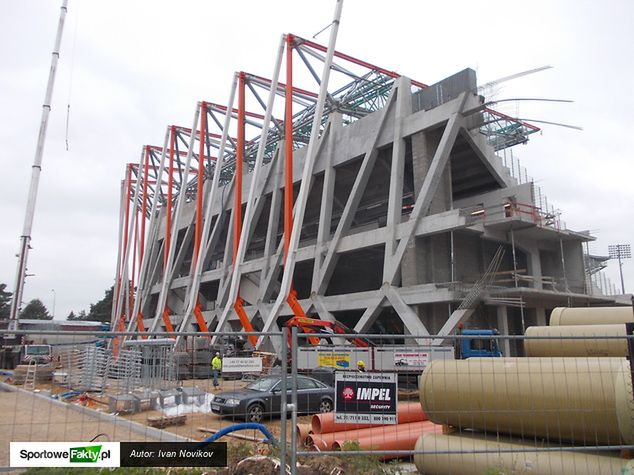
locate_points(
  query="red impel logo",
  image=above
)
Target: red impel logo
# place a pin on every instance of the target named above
(348, 393)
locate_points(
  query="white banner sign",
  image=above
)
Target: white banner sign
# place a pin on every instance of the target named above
(418, 359)
(242, 365)
(64, 454)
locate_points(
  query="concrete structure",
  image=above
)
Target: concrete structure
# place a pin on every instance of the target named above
(402, 198)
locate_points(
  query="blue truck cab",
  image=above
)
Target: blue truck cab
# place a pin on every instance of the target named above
(481, 345)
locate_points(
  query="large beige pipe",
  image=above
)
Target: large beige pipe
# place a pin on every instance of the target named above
(587, 400)
(588, 346)
(492, 459)
(591, 315)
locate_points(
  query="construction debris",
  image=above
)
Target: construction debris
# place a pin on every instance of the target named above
(161, 422)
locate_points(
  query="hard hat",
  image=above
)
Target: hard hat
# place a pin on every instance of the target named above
(361, 363)
(217, 353)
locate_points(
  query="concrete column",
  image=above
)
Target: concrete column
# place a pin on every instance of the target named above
(535, 267)
(428, 259)
(575, 270)
(503, 328)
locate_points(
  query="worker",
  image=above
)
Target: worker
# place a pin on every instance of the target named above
(216, 366)
(361, 366)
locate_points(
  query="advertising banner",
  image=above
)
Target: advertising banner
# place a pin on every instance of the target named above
(338, 359)
(366, 398)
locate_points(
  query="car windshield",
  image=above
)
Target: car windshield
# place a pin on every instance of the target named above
(263, 385)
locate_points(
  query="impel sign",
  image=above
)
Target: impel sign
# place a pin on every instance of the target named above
(366, 398)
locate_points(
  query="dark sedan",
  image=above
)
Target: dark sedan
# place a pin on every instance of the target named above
(262, 398)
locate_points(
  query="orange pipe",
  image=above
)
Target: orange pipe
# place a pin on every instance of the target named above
(397, 440)
(407, 412)
(327, 440)
(303, 431)
(316, 442)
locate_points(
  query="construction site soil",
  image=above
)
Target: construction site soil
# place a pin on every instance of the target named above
(30, 417)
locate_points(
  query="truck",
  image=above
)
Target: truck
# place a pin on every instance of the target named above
(481, 345)
(409, 361)
(40, 354)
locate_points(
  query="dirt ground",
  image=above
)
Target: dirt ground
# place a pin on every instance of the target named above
(29, 418)
(25, 417)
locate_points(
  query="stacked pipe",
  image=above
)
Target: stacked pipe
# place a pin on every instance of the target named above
(476, 455)
(584, 324)
(412, 421)
(584, 398)
(586, 401)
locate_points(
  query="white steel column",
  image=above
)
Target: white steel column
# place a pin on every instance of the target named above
(254, 193)
(169, 269)
(212, 195)
(302, 198)
(138, 301)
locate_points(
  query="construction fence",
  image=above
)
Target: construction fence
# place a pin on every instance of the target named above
(563, 403)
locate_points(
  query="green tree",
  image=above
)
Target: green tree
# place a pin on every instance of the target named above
(77, 317)
(35, 310)
(5, 301)
(102, 310)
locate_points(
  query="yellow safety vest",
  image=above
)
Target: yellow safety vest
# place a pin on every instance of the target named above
(216, 363)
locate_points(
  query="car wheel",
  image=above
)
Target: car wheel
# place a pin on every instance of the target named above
(255, 413)
(325, 405)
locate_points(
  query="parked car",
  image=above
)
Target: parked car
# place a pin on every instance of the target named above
(262, 398)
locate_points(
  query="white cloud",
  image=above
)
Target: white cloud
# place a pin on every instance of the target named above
(138, 66)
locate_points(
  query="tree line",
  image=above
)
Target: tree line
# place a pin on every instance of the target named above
(36, 310)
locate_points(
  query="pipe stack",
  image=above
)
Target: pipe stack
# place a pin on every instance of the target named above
(475, 455)
(584, 400)
(565, 391)
(563, 316)
(412, 421)
(586, 345)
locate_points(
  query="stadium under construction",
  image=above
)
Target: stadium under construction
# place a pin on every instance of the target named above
(358, 195)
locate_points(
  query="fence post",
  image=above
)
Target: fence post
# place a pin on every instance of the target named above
(294, 400)
(629, 330)
(283, 413)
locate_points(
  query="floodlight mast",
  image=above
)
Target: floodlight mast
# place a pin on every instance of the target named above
(620, 251)
(25, 238)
